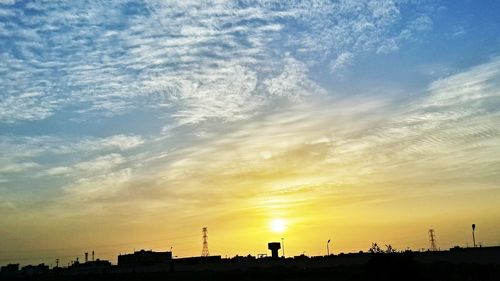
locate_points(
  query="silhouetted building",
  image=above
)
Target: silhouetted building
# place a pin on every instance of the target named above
(31, 270)
(274, 247)
(10, 270)
(198, 260)
(144, 258)
(89, 267)
(13, 267)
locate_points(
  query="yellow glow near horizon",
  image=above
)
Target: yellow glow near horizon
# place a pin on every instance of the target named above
(278, 225)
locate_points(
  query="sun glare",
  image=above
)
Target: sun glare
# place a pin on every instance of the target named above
(278, 225)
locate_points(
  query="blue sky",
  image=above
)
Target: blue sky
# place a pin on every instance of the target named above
(152, 104)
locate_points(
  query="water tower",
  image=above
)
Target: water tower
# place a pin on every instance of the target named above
(274, 247)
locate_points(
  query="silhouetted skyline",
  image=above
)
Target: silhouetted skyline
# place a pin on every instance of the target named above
(475, 262)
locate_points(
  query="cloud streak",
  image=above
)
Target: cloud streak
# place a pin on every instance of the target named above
(447, 136)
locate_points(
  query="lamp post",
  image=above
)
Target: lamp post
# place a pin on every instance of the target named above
(473, 236)
(328, 247)
(283, 246)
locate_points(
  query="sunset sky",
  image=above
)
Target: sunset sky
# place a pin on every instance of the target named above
(133, 124)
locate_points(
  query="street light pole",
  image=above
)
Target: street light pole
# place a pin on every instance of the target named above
(473, 236)
(283, 246)
(328, 247)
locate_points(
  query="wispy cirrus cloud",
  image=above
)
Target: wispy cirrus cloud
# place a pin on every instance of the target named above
(450, 135)
(18, 167)
(97, 188)
(96, 166)
(27, 106)
(26, 147)
(56, 156)
(200, 60)
(101, 163)
(121, 142)
(341, 61)
(293, 82)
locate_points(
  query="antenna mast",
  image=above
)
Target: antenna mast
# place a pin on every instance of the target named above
(204, 251)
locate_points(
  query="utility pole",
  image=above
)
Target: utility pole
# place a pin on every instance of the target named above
(328, 247)
(473, 236)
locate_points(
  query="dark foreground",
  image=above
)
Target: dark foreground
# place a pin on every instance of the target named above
(377, 268)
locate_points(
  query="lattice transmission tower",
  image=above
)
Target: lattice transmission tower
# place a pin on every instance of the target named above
(432, 240)
(204, 251)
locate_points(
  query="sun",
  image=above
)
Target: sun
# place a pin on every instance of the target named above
(278, 225)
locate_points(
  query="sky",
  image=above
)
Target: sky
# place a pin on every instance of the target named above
(129, 125)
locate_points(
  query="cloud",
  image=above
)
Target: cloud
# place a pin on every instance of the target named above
(341, 61)
(57, 171)
(448, 136)
(418, 25)
(7, 2)
(214, 97)
(27, 106)
(197, 60)
(121, 142)
(93, 167)
(31, 147)
(98, 187)
(459, 31)
(422, 23)
(101, 164)
(442, 141)
(54, 157)
(293, 82)
(471, 89)
(18, 167)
